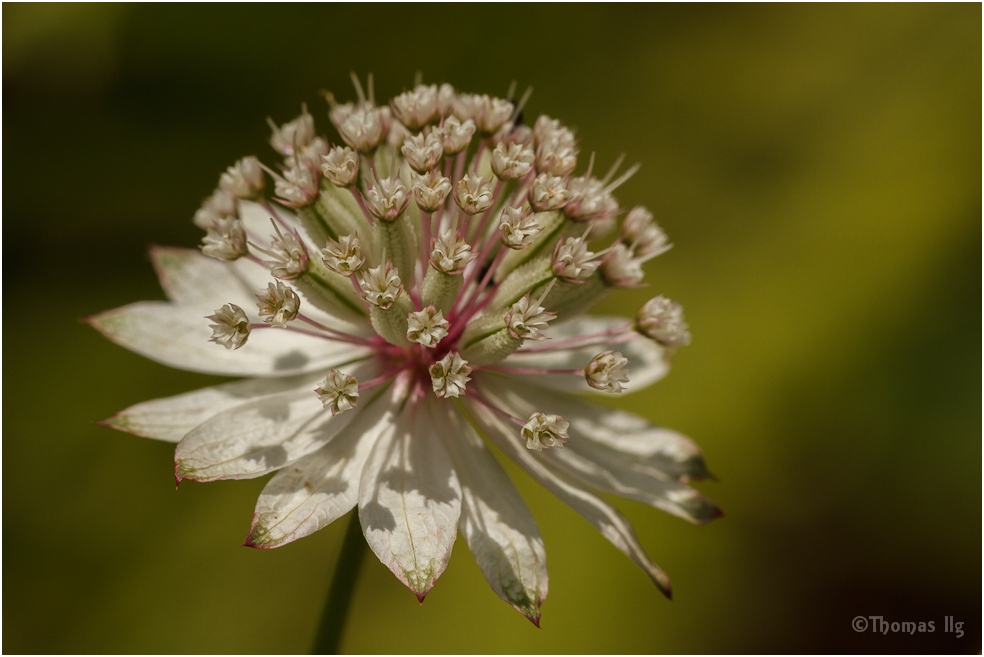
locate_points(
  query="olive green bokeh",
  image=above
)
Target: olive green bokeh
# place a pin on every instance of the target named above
(817, 168)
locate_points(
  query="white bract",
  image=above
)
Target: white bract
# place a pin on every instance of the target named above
(421, 332)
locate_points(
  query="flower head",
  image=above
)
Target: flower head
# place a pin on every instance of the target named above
(418, 335)
(293, 134)
(220, 205)
(457, 135)
(549, 192)
(365, 128)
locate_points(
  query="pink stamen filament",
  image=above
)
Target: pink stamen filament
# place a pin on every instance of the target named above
(276, 215)
(620, 334)
(335, 334)
(523, 188)
(382, 378)
(362, 204)
(477, 396)
(294, 329)
(479, 235)
(469, 308)
(528, 370)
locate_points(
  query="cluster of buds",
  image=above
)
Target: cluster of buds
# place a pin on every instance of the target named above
(495, 246)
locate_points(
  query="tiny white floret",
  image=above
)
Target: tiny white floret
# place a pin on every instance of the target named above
(427, 327)
(382, 285)
(339, 392)
(231, 328)
(662, 320)
(605, 371)
(278, 305)
(545, 431)
(449, 375)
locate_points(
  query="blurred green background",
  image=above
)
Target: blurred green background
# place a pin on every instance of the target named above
(817, 167)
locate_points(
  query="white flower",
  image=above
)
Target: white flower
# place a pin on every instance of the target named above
(604, 372)
(547, 431)
(427, 327)
(231, 328)
(572, 262)
(423, 152)
(430, 190)
(344, 256)
(364, 128)
(339, 392)
(293, 134)
(457, 135)
(451, 253)
(643, 235)
(278, 305)
(449, 376)
(244, 179)
(382, 285)
(288, 257)
(621, 269)
(219, 205)
(341, 166)
(448, 353)
(416, 108)
(549, 192)
(473, 194)
(387, 198)
(512, 161)
(662, 320)
(489, 114)
(527, 319)
(517, 228)
(225, 239)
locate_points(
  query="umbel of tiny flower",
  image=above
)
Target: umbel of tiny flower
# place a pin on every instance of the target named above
(412, 287)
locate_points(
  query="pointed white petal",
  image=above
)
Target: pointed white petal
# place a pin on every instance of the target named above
(178, 336)
(607, 435)
(410, 501)
(593, 462)
(496, 523)
(258, 437)
(321, 487)
(191, 278)
(172, 418)
(256, 221)
(648, 362)
(606, 519)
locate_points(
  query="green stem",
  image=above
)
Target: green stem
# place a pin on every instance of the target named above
(329, 636)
